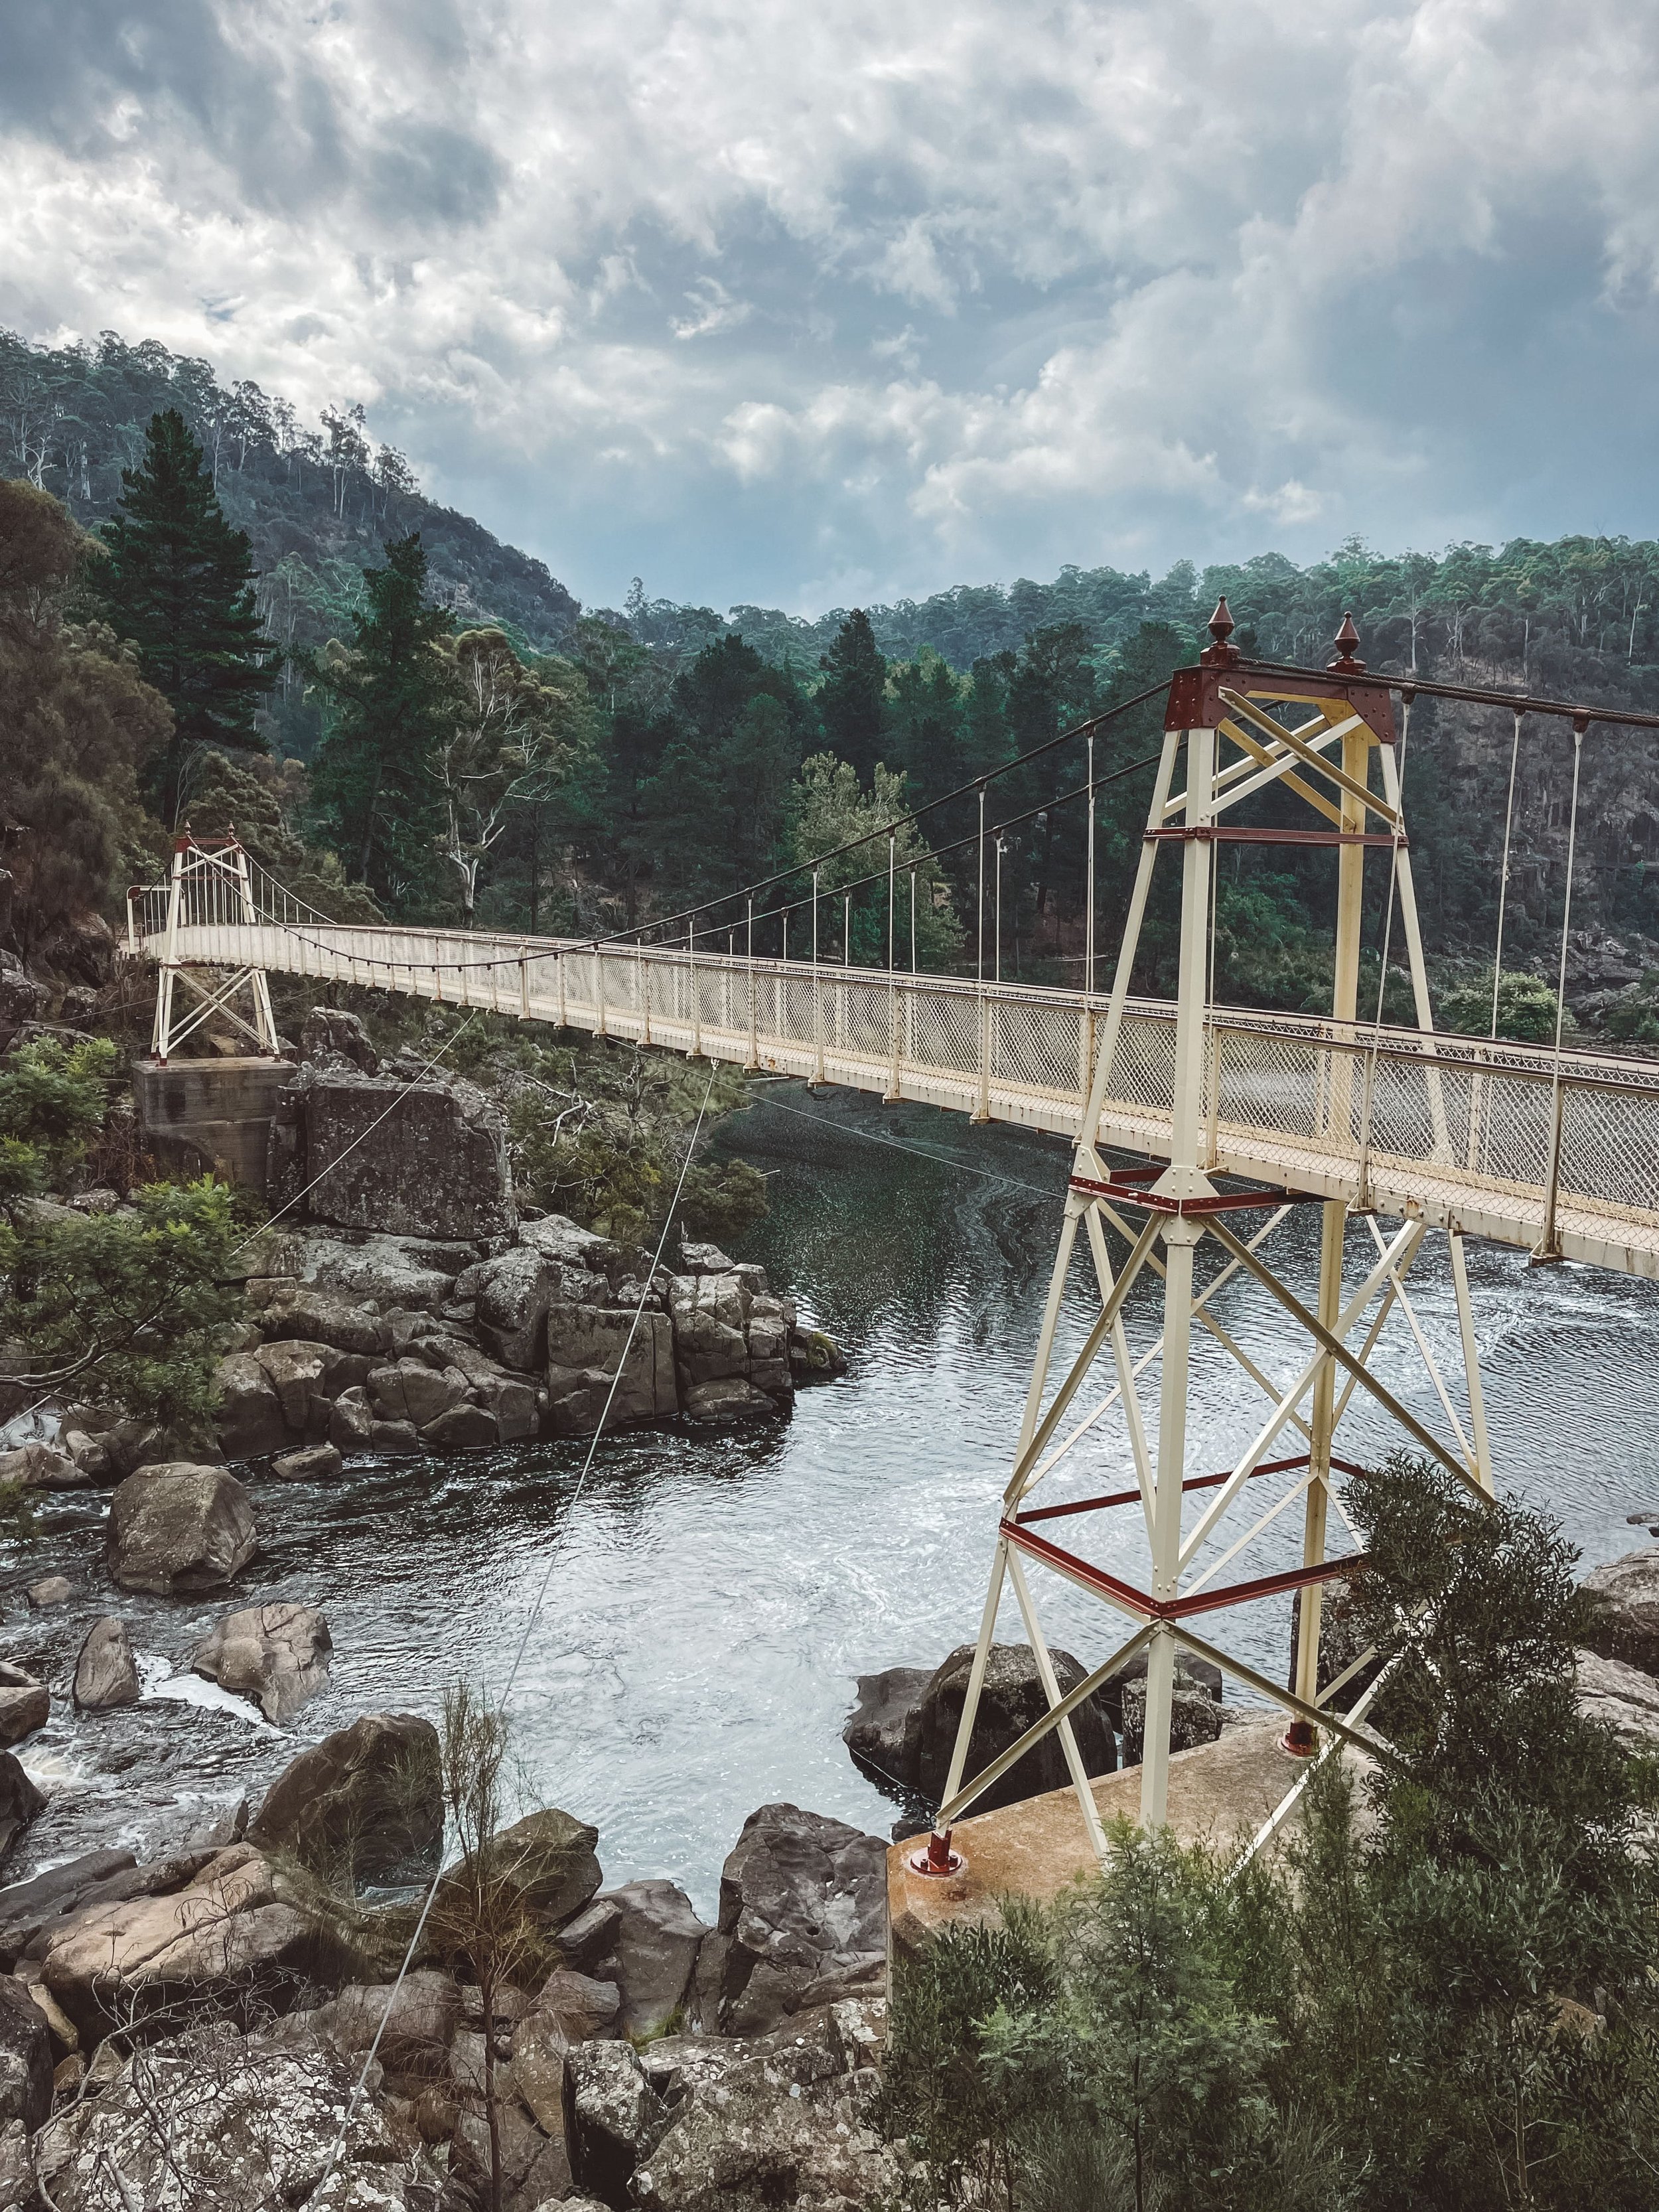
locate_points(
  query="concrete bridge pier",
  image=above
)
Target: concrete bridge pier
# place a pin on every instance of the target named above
(197, 1115)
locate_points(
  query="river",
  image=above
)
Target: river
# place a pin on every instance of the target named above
(692, 1621)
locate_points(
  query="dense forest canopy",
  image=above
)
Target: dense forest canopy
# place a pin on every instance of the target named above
(557, 770)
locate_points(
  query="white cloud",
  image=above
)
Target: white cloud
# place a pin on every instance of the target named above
(1182, 272)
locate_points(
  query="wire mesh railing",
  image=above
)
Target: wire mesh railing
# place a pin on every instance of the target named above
(1338, 1099)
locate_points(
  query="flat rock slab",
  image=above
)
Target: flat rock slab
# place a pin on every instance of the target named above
(1036, 1849)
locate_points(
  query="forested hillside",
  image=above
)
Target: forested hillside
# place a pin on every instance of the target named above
(316, 502)
(547, 770)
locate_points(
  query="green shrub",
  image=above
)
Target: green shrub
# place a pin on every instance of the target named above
(126, 1306)
(1526, 1008)
(53, 1096)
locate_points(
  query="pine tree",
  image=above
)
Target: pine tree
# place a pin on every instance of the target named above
(376, 796)
(852, 701)
(179, 582)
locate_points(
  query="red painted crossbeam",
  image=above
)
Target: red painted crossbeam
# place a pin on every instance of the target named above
(1176, 1609)
(1193, 1482)
(1222, 1201)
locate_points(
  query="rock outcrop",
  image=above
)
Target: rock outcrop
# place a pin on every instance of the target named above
(20, 1803)
(1195, 1717)
(25, 2058)
(42, 1466)
(237, 2121)
(803, 1921)
(613, 2117)
(652, 1953)
(275, 1654)
(436, 1167)
(904, 1728)
(105, 1674)
(696, 2124)
(1623, 1696)
(1625, 1592)
(178, 1527)
(367, 1801)
(227, 1939)
(25, 1704)
(389, 1344)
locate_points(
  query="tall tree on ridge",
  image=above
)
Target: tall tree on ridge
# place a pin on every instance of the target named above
(178, 581)
(852, 701)
(394, 698)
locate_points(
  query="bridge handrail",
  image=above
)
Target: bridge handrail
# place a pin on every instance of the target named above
(1601, 1066)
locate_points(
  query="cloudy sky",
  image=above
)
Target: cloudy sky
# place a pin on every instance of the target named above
(806, 304)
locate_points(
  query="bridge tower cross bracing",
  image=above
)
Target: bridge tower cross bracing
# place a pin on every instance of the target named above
(1232, 730)
(208, 886)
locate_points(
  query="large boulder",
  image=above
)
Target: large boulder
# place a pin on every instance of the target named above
(586, 1348)
(28, 1908)
(25, 2058)
(227, 1939)
(875, 1732)
(1012, 1700)
(548, 1860)
(1623, 1696)
(733, 1398)
(105, 1674)
(37, 1466)
(319, 1316)
(410, 1390)
(803, 1920)
(511, 1296)
(652, 1953)
(312, 1463)
(176, 1528)
(575, 2008)
(25, 1704)
(240, 2124)
(416, 1159)
(1194, 1717)
(368, 1800)
(329, 1033)
(710, 1313)
(306, 1376)
(275, 1654)
(416, 2022)
(22, 999)
(396, 1274)
(246, 1408)
(1626, 1594)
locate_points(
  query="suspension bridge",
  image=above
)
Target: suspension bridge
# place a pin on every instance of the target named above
(1238, 1117)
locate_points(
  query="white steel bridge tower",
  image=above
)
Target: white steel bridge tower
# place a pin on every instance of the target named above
(1331, 742)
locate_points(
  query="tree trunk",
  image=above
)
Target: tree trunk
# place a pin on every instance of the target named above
(368, 820)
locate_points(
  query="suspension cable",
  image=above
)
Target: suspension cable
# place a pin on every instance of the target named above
(338, 2143)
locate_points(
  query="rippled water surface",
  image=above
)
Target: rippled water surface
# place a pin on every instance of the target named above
(708, 1602)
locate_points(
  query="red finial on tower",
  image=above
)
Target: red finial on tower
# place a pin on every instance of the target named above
(1220, 654)
(1347, 637)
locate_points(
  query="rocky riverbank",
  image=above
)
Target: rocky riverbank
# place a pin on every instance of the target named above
(199, 2022)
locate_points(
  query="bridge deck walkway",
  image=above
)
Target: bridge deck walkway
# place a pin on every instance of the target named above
(1457, 1129)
